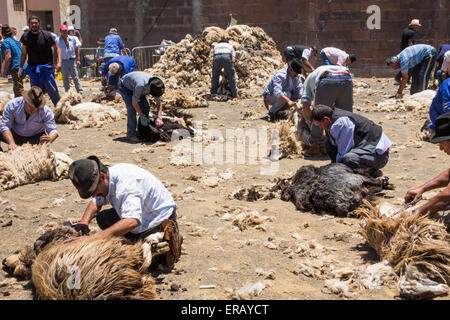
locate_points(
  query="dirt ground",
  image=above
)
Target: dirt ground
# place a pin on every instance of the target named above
(214, 253)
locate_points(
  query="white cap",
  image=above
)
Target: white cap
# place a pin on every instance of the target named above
(447, 56)
(71, 28)
(415, 22)
(26, 28)
(114, 67)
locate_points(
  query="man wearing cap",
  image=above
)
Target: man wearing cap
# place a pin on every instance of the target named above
(303, 53)
(134, 88)
(11, 50)
(224, 58)
(408, 38)
(418, 60)
(442, 199)
(330, 86)
(353, 139)
(335, 56)
(37, 46)
(70, 55)
(113, 45)
(284, 89)
(141, 205)
(118, 67)
(28, 120)
(75, 33)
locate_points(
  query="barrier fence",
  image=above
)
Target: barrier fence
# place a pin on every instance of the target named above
(90, 64)
(147, 56)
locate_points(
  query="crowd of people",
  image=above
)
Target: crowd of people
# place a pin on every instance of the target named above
(141, 204)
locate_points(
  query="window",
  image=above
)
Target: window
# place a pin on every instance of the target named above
(18, 5)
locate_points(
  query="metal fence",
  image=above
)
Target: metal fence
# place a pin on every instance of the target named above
(90, 67)
(147, 56)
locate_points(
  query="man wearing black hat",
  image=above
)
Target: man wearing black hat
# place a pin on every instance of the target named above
(442, 200)
(283, 89)
(28, 120)
(224, 58)
(134, 88)
(141, 205)
(303, 53)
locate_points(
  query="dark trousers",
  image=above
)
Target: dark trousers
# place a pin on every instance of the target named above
(223, 61)
(144, 104)
(106, 218)
(421, 73)
(20, 140)
(17, 82)
(358, 157)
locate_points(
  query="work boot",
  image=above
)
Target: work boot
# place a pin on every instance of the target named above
(271, 117)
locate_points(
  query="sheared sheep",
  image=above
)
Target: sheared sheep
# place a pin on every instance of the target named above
(28, 164)
(334, 188)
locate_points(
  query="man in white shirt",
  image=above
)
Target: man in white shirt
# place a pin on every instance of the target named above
(141, 205)
(224, 58)
(70, 54)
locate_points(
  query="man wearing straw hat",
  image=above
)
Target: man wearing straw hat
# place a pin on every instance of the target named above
(113, 45)
(28, 119)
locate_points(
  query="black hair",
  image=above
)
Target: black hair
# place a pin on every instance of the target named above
(315, 49)
(34, 18)
(321, 111)
(352, 58)
(225, 40)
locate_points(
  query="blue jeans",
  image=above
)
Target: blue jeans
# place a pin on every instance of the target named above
(127, 96)
(325, 60)
(46, 81)
(70, 66)
(223, 61)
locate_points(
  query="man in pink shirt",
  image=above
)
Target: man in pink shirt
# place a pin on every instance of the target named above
(336, 56)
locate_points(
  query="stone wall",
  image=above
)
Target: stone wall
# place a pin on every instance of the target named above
(338, 23)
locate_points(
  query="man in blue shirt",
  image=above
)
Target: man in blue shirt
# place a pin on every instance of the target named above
(117, 67)
(441, 103)
(11, 51)
(113, 45)
(134, 88)
(28, 120)
(70, 55)
(417, 59)
(352, 139)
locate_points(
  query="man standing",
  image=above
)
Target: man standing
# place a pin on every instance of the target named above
(335, 56)
(284, 89)
(417, 59)
(224, 57)
(70, 54)
(117, 67)
(353, 139)
(330, 86)
(303, 53)
(442, 199)
(37, 46)
(11, 51)
(113, 45)
(28, 120)
(141, 205)
(408, 39)
(134, 88)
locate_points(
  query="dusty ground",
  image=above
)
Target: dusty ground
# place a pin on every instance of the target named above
(218, 255)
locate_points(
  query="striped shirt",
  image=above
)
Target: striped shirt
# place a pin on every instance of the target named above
(413, 55)
(137, 194)
(14, 118)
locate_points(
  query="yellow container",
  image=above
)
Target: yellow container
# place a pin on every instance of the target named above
(59, 76)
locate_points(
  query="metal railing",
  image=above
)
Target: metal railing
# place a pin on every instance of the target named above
(147, 56)
(90, 66)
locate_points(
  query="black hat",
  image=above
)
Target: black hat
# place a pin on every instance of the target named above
(156, 87)
(85, 175)
(442, 126)
(295, 65)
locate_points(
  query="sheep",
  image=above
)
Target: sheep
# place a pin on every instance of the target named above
(334, 188)
(27, 164)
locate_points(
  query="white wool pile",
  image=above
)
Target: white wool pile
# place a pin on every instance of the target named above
(417, 104)
(243, 218)
(212, 179)
(86, 114)
(28, 164)
(189, 62)
(250, 290)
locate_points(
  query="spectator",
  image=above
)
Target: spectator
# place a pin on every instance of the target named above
(113, 45)
(11, 50)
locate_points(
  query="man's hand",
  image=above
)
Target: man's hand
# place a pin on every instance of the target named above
(76, 239)
(159, 122)
(12, 146)
(58, 68)
(143, 120)
(45, 139)
(78, 63)
(413, 194)
(84, 228)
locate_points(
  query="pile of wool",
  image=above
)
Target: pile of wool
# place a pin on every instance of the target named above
(28, 164)
(249, 290)
(175, 99)
(417, 105)
(4, 99)
(335, 189)
(254, 193)
(94, 269)
(88, 114)
(243, 219)
(410, 240)
(189, 62)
